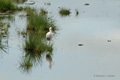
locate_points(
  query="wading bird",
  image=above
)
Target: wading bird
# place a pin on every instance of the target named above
(49, 34)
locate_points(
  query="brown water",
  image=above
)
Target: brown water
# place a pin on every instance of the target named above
(97, 28)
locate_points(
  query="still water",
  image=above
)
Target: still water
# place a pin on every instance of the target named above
(97, 28)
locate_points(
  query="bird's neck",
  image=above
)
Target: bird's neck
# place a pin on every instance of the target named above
(51, 31)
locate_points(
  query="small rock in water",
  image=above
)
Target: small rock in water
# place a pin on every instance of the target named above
(80, 44)
(87, 4)
(23, 35)
(108, 40)
(30, 3)
(2, 32)
(4, 35)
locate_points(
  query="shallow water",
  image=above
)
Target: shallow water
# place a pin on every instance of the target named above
(96, 59)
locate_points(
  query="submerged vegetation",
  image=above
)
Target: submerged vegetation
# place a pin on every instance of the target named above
(64, 12)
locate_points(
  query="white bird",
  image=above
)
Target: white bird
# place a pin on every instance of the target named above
(49, 34)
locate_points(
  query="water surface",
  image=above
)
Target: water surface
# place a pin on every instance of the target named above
(93, 27)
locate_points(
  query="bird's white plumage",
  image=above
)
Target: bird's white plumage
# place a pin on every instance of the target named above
(49, 34)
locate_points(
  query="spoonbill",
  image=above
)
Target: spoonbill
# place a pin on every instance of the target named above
(49, 34)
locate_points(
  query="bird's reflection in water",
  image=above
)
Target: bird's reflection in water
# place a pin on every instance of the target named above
(49, 60)
(33, 59)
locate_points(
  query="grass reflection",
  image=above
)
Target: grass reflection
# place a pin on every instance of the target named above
(26, 65)
(2, 47)
(5, 19)
(3, 33)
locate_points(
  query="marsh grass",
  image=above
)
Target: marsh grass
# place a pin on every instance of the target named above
(39, 23)
(64, 12)
(29, 11)
(6, 5)
(35, 43)
(35, 47)
(43, 11)
(31, 59)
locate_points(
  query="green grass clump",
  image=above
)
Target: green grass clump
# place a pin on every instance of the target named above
(6, 5)
(64, 12)
(35, 43)
(39, 23)
(35, 47)
(29, 11)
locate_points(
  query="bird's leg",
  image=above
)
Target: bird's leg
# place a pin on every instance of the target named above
(48, 42)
